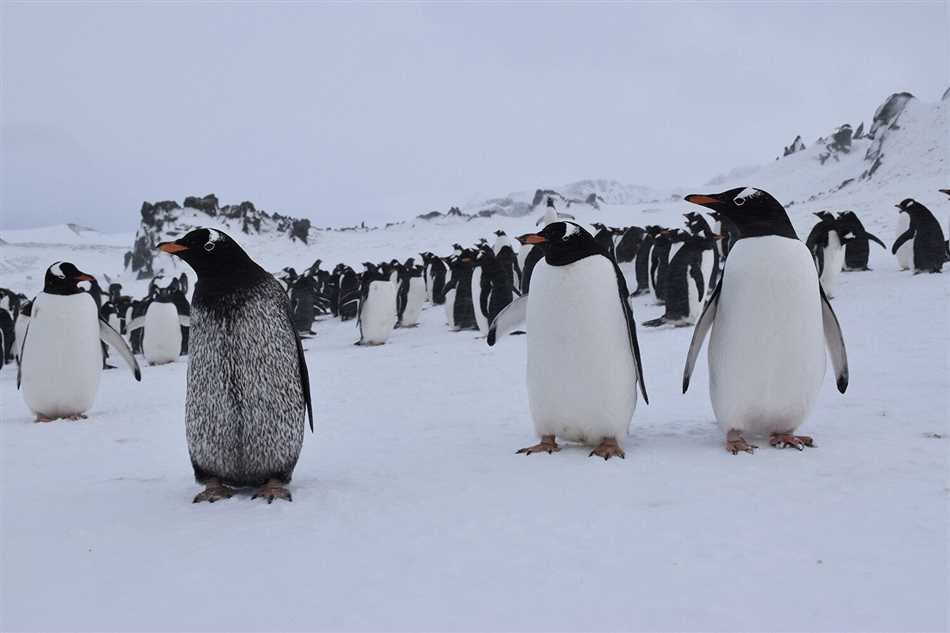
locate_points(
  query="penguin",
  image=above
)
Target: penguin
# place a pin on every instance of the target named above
(905, 252)
(411, 294)
(436, 277)
(551, 214)
(20, 326)
(728, 230)
(644, 258)
(827, 247)
(349, 294)
(8, 315)
(303, 297)
(460, 306)
(659, 260)
(856, 243)
(699, 226)
(626, 251)
(584, 363)
(770, 322)
(605, 237)
(60, 355)
(530, 255)
(377, 315)
(930, 248)
(161, 324)
(505, 256)
(248, 385)
(685, 284)
(947, 242)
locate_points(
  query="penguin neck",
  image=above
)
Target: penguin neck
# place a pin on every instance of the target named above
(212, 285)
(570, 251)
(781, 227)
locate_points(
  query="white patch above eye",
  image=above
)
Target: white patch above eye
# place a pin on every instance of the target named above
(56, 270)
(213, 237)
(570, 229)
(745, 195)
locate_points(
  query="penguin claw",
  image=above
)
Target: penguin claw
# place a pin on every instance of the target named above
(787, 440)
(608, 448)
(546, 445)
(273, 489)
(736, 444)
(213, 492)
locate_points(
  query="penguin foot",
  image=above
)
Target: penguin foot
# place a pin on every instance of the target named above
(787, 440)
(608, 448)
(43, 418)
(214, 491)
(546, 445)
(273, 489)
(77, 417)
(735, 444)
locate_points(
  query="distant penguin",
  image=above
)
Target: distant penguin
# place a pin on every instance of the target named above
(377, 316)
(626, 251)
(856, 241)
(61, 353)
(507, 259)
(659, 260)
(248, 386)
(827, 248)
(161, 325)
(303, 297)
(20, 326)
(8, 315)
(699, 226)
(411, 294)
(770, 323)
(644, 259)
(583, 358)
(905, 252)
(462, 305)
(930, 248)
(685, 284)
(349, 294)
(436, 271)
(605, 237)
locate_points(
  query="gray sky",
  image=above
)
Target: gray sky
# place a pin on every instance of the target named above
(347, 112)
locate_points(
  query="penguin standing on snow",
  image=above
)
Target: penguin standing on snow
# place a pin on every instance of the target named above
(411, 294)
(827, 247)
(856, 243)
(161, 325)
(248, 387)
(60, 355)
(644, 258)
(507, 259)
(435, 271)
(377, 316)
(699, 226)
(770, 322)
(930, 248)
(459, 299)
(583, 357)
(685, 284)
(349, 294)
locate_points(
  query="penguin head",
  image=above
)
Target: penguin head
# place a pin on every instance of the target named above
(906, 205)
(563, 243)
(62, 278)
(214, 255)
(946, 191)
(754, 211)
(499, 232)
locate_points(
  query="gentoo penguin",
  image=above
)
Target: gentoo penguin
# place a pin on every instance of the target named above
(728, 230)
(659, 261)
(8, 315)
(530, 254)
(303, 297)
(248, 386)
(770, 322)
(905, 252)
(349, 294)
(605, 237)
(459, 302)
(505, 255)
(930, 249)
(377, 316)
(583, 357)
(20, 326)
(626, 251)
(60, 355)
(435, 271)
(411, 294)
(699, 226)
(644, 259)
(827, 248)
(685, 284)
(857, 241)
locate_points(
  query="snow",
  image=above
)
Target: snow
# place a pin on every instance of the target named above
(411, 510)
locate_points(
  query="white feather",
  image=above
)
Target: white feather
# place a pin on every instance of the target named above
(378, 313)
(161, 342)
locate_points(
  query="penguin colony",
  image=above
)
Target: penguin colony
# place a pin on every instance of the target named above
(248, 392)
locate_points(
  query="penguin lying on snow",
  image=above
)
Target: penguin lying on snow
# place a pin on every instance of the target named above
(248, 385)
(770, 322)
(583, 357)
(930, 249)
(60, 354)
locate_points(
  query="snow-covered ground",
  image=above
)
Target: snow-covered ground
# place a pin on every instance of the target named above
(412, 512)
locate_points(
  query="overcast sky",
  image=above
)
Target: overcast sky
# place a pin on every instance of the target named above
(347, 112)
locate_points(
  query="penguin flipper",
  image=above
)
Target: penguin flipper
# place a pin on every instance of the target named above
(184, 320)
(906, 235)
(508, 320)
(113, 339)
(874, 238)
(699, 333)
(835, 342)
(631, 325)
(136, 323)
(302, 366)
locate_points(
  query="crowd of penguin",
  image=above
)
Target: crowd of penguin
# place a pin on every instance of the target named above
(248, 324)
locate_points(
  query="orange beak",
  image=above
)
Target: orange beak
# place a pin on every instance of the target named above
(85, 277)
(171, 247)
(706, 201)
(532, 238)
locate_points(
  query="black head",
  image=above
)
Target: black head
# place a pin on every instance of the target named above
(220, 263)
(550, 202)
(499, 233)
(754, 212)
(564, 243)
(825, 216)
(62, 278)
(946, 191)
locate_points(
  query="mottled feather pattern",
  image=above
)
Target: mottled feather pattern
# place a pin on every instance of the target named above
(245, 409)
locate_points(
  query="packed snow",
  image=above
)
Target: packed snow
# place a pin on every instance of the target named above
(411, 510)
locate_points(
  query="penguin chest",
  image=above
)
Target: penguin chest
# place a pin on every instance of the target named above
(833, 257)
(414, 301)
(479, 301)
(766, 349)
(161, 342)
(378, 316)
(580, 371)
(62, 356)
(904, 254)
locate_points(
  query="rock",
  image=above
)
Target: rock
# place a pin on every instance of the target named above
(208, 204)
(796, 146)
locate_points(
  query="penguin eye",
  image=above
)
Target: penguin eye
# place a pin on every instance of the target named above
(209, 246)
(739, 202)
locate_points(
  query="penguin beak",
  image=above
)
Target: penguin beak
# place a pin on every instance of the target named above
(703, 200)
(81, 276)
(532, 238)
(172, 247)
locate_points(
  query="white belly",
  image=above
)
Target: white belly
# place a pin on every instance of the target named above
(581, 375)
(19, 331)
(450, 308)
(766, 349)
(904, 254)
(429, 280)
(162, 340)
(834, 261)
(481, 320)
(379, 313)
(62, 358)
(414, 301)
